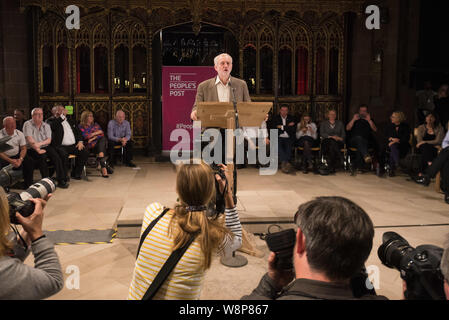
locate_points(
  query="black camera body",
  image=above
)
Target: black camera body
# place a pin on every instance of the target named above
(419, 267)
(217, 170)
(282, 244)
(218, 206)
(21, 203)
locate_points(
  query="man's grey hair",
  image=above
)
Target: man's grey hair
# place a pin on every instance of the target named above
(221, 55)
(6, 118)
(444, 266)
(34, 110)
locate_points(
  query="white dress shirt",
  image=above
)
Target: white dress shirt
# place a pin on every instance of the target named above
(284, 125)
(223, 90)
(446, 141)
(69, 138)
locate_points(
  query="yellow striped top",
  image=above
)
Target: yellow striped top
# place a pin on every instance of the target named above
(185, 281)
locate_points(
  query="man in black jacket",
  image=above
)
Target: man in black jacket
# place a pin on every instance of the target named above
(333, 241)
(286, 126)
(67, 139)
(361, 129)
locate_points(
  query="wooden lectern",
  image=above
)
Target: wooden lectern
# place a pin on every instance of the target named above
(222, 115)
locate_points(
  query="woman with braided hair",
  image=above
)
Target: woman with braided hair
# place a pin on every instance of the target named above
(195, 186)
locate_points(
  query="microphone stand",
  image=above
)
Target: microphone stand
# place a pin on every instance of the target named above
(234, 102)
(235, 261)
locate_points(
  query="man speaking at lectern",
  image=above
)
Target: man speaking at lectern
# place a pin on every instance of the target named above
(221, 88)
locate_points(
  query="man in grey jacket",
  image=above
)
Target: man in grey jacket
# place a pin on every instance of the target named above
(19, 281)
(223, 87)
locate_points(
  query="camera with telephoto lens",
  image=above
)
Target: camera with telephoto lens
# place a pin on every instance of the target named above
(419, 267)
(21, 202)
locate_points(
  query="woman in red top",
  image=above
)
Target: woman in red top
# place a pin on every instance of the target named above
(95, 140)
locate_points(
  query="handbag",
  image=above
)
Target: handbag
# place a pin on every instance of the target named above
(169, 265)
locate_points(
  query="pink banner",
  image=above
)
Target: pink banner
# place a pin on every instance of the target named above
(179, 85)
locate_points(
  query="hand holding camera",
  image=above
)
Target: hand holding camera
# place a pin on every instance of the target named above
(23, 202)
(280, 277)
(33, 223)
(222, 176)
(280, 261)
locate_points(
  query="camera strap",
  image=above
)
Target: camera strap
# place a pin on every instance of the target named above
(169, 265)
(148, 229)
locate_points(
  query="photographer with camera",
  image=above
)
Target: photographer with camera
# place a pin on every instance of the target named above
(17, 280)
(177, 244)
(333, 241)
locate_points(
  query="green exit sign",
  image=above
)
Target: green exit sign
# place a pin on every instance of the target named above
(69, 109)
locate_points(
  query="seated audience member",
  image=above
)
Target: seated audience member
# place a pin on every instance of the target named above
(38, 136)
(442, 105)
(95, 140)
(17, 156)
(67, 139)
(119, 134)
(333, 134)
(361, 129)
(286, 126)
(398, 137)
(429, 137)
(19, 281)
(444, 266)
(441, 163)
(333, 241)
(306, 135)
(19, 116)
(195, 186)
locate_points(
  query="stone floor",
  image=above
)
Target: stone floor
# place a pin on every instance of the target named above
(417, 213)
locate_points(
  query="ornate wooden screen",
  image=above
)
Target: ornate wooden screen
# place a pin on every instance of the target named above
(90, 81)
(292, 55)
